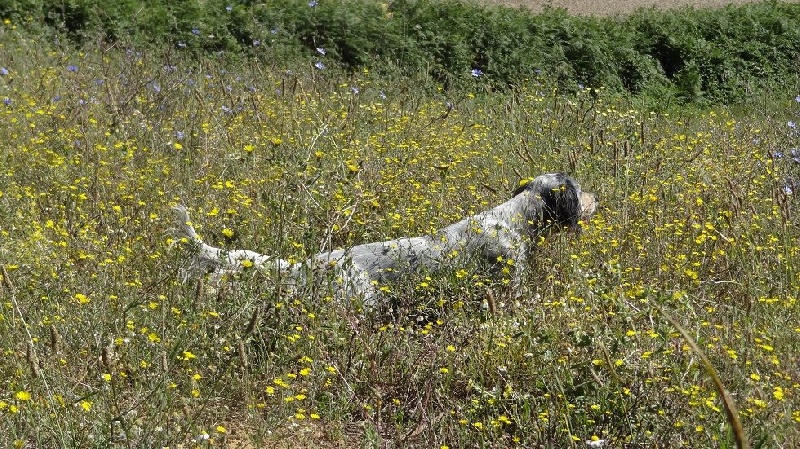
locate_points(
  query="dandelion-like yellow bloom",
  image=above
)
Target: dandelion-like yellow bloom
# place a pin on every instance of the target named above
(23, 395)
(777, 393)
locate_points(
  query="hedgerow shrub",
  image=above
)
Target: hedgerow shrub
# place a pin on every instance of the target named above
(688, 55)
(720, 54)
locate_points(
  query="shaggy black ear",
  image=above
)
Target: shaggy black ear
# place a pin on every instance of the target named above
(562, 205)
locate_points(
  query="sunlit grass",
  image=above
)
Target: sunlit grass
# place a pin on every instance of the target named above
(103, 346)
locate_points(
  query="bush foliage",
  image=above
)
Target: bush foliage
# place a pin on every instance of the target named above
(687, 55)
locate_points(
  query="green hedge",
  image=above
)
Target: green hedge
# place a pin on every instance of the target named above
(692, 55)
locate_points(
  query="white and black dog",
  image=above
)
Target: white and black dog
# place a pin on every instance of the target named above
(548, 203)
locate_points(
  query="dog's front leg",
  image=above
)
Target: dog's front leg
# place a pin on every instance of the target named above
(520, 256)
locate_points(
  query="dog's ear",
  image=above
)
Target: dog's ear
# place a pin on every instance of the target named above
(562, 204)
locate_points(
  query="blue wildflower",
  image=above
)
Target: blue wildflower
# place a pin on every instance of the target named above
(3, 71)
(72, 68)
(319, 65)
(477, 73)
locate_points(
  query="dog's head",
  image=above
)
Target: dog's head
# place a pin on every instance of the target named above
(560, 199)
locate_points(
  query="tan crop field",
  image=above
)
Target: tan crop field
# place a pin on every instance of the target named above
(605, 8)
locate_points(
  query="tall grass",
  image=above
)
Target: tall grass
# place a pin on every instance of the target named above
(102, 346)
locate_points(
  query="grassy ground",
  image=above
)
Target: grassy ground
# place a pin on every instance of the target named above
(103, 347)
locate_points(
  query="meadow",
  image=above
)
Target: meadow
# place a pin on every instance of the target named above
(103, 346)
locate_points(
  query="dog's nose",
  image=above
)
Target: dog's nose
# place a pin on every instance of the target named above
(588, 204)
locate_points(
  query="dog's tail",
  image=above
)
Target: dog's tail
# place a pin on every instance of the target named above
(205, 259)
(209, 259)
(184, 224)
